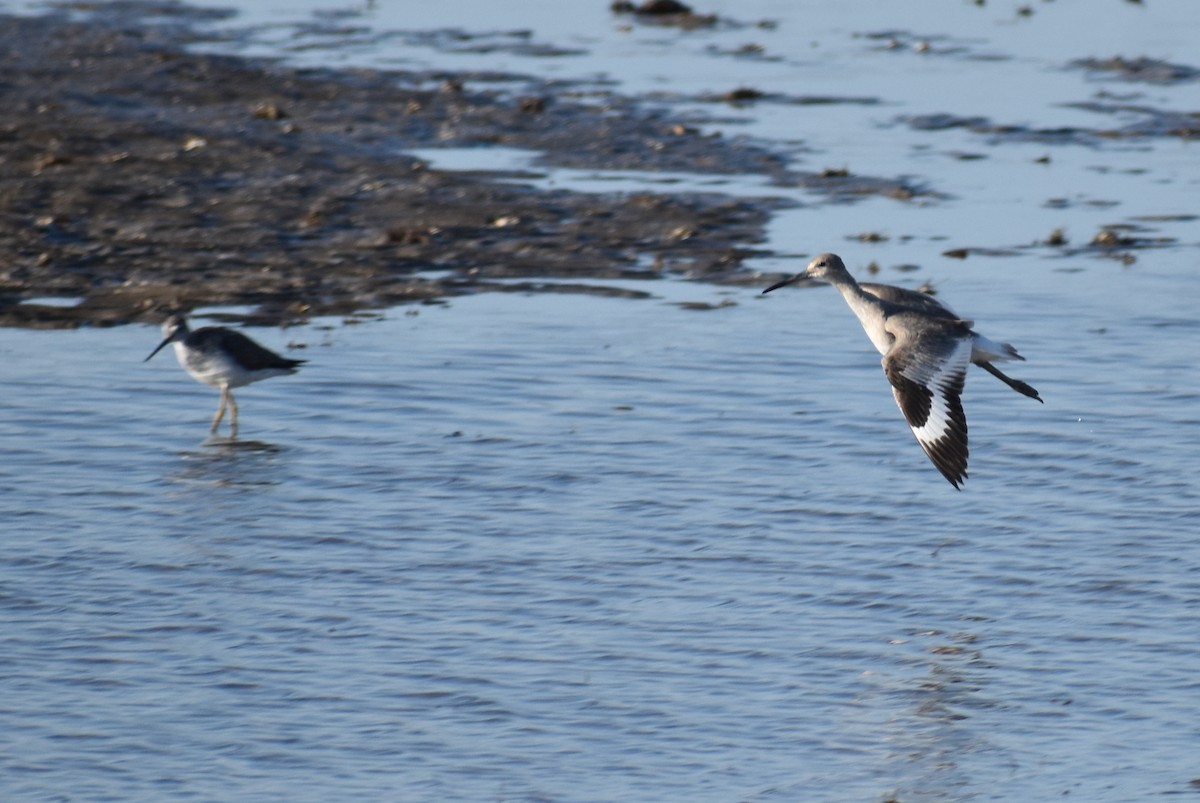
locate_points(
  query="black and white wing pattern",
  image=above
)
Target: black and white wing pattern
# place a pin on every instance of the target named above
(927, 366)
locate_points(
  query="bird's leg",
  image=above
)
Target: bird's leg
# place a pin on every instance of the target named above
(220, 412)
(232, 415)
(1016, 384)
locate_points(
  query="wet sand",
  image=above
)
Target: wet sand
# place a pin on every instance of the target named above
(137, 176)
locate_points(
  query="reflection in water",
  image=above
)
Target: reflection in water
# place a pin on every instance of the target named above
(921, 718)
(230, 463)
(234, 445)
(932, 748)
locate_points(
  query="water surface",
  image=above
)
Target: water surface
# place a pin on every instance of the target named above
(562, 547)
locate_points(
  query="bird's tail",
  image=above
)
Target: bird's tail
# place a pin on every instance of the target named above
(988, 349)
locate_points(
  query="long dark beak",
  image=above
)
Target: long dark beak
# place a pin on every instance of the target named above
(784, 283)
(160, 348)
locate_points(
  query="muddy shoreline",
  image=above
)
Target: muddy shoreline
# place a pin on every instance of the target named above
(137, 176)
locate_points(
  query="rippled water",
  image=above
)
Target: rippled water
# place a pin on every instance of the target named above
(561, 547)
(530, 547)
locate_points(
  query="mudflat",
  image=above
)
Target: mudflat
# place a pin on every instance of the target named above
(140, 175)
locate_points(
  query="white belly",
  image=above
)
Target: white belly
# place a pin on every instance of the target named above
(218, 369)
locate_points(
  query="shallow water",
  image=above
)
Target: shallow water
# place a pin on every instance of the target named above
(562, 547)
(570, 548)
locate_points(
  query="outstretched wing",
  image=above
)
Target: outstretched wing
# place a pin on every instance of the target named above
(927, 367)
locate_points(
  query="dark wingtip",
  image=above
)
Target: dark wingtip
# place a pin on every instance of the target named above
(957, 482)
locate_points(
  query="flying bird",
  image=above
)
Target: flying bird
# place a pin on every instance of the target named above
(926, 348)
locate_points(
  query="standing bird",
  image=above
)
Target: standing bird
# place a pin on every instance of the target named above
(224, 359)
(926, 348)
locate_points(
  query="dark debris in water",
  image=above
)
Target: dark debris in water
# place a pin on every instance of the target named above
(1056, 238)
(676, 14)
(744, 95)
(572, 288)
(1145, 120)
(748, 51)
(1143, 70)
(963, 253)
(1167, 218)
(943, 121)
(458, 40)
(1152, 123)
(1067, 203)
(902, 41)
(1124, 236)
(842, 185)
(705, 306)
(664, 12)
(1116, 241)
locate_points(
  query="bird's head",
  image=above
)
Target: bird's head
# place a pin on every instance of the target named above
(828, 267)
(174, 328)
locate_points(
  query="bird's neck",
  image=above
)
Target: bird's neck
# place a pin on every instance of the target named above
(867, 309)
